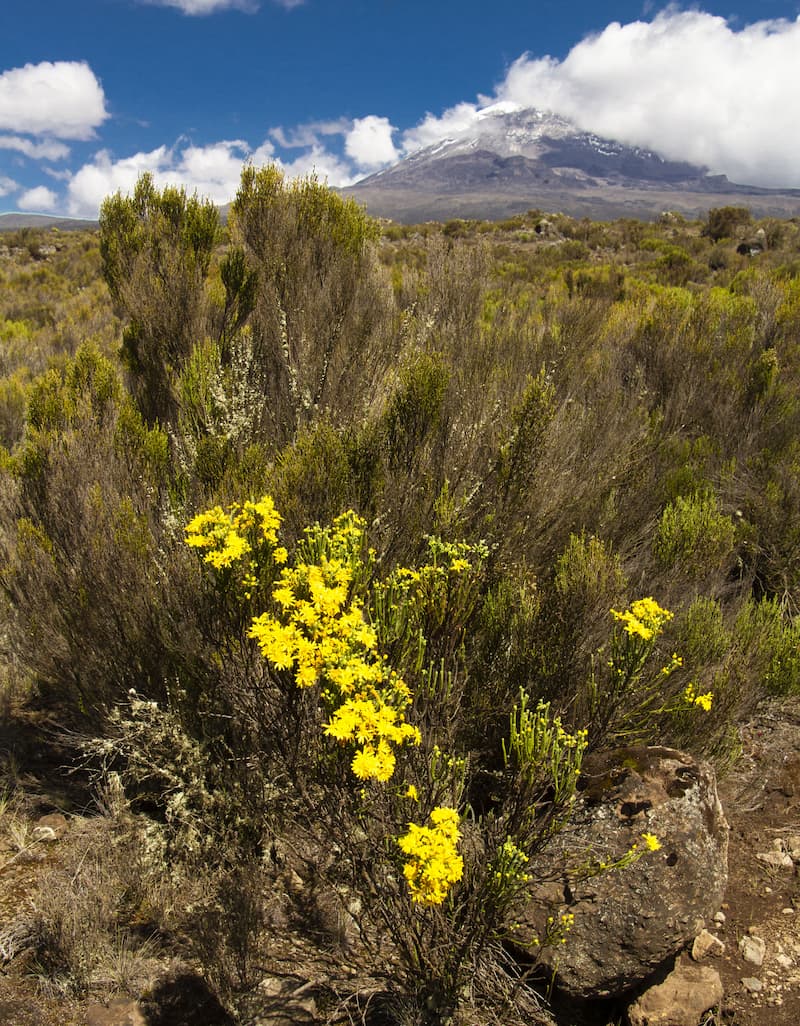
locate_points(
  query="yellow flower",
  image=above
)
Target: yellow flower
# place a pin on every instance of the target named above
(652, 842)
(691, 697)
(434, 864)
(644, 619)
(411, 792)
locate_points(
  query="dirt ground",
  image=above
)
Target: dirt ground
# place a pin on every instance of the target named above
(761, 797)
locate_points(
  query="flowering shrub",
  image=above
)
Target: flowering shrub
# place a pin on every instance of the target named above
(630, 699)
(333, 633)
(318, 631)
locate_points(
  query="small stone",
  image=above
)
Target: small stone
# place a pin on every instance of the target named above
(787, 911)
(778, 859)
(51, 827)
(784, 960)
(752, 949)
(117, 1013)
(792, 845)
(719, 918)
(751, 984)
(680, 1000)
(44, 834)
(706, 944)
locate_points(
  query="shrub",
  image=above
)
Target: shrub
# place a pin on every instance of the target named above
(694, 536)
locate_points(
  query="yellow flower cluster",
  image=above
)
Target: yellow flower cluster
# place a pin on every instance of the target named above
(225, 537)
(691, 697)
(652, 842)
(645, 618)
(434, 864)
(321, 635)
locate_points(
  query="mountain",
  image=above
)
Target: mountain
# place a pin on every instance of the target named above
(512, 160)
(13, 221)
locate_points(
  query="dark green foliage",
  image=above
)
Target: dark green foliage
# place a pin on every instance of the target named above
(723, 221)
(156, 249)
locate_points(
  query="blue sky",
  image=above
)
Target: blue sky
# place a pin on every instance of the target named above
(92, 92)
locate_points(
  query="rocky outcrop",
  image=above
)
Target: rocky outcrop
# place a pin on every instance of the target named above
(628, 922)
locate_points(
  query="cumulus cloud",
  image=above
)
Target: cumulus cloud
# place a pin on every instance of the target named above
(61, 100)
(213, 171)
(7, 186)
(40, 199)
(47, 149)
(686, 84)
(369, 143)
(309, 133)
(433, 128)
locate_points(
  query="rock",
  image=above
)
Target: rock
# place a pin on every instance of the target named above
(778, 859)
(50, 828)
(628, 922)
(116, 1013)
(753, 985)
(681, 1000)
(719, 917)
(182, 997)
(793, 846)
(752, 949)
(706, 944)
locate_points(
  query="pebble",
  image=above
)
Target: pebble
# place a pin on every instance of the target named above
(752, 949)
(705, 944)
(752, 984)
(778, 859)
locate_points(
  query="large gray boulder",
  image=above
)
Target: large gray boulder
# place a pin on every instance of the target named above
(627, 922)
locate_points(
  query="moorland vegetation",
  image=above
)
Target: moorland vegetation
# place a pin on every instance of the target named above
(334, 546)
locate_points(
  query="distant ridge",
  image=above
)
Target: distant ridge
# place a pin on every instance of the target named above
(511, 160)
(15, 220)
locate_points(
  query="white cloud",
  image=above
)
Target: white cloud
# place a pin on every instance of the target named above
(214, 171)
(433, 129)
(202, 7)
(309, 133)
(46, 149)
(7, 185)
(61, 99)
(685, 84)
(325, 165)
(41, 198)
(369, 143)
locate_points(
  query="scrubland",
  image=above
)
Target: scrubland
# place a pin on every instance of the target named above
(463, 501)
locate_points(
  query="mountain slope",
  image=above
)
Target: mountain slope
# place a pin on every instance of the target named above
(512, 160)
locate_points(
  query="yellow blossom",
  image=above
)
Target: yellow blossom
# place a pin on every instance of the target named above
(434, 864)
(652, 842)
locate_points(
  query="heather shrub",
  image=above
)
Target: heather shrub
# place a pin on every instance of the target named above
(86, 556)
(694, 536)
(156, 248)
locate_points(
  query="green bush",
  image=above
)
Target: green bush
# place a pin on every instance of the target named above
(694, 536)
